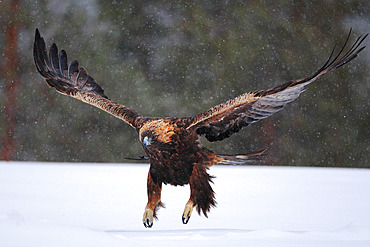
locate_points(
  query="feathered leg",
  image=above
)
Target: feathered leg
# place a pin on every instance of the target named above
(202, 195)
(154, 201)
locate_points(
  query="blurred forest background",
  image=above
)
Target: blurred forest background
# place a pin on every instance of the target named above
(178, 58)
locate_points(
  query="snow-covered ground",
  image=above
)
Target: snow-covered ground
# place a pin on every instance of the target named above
(62, 204)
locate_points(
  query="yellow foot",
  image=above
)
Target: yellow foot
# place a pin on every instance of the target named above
(187, 212)
(148, 218)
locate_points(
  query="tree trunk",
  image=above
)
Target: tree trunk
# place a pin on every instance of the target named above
(9, 72)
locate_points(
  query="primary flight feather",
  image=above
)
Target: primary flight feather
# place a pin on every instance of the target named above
(173, 144)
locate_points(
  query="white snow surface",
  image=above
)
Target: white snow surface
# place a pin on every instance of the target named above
(65, 204)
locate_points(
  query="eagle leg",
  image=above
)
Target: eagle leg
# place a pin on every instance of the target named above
(187, 211)
(154, 202)
(202, 195)
(148, 218)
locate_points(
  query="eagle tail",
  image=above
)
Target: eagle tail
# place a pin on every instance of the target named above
(241, 159)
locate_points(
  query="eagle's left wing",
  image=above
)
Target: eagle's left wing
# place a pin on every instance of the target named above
(74, 81)
(221, 121)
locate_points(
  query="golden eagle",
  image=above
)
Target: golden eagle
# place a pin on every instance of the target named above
(173, 144)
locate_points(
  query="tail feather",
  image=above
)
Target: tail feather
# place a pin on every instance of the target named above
(241, 159)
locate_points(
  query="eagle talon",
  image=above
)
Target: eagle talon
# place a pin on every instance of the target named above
(187, 213)
(185, 220)
(148, 224)
(148, 218)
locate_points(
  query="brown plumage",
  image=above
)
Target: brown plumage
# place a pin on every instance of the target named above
(173, 144)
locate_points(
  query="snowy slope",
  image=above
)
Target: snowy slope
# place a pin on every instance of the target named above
(54, 204)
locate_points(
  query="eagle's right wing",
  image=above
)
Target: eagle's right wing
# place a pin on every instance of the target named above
(74, 81)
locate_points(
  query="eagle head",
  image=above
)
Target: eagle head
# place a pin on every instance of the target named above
(157, 133)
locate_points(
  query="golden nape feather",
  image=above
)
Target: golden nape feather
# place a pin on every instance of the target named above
(173, 145)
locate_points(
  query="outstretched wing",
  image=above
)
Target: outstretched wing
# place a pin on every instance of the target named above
(221, 121)
(74, 81)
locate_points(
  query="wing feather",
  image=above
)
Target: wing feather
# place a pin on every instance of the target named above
(74, 81)
(221, 121)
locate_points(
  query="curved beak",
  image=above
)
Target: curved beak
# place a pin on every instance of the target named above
(147, 141)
